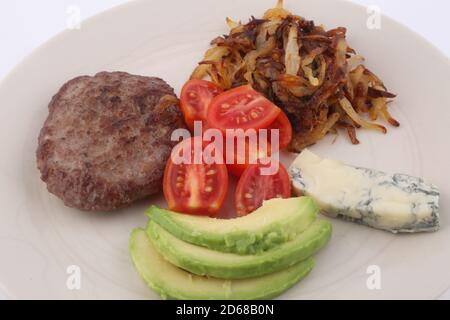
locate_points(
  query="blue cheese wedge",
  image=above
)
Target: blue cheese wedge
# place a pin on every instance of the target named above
(391, 202)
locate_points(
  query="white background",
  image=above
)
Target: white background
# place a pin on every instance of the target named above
(25, 24)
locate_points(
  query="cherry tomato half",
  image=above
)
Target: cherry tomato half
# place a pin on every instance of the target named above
(196, 96)
(250, 156)
(192, 187)
(283, 124)
(241, 108)
(254, 187)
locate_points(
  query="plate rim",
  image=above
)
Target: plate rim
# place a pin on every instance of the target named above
(120, 7)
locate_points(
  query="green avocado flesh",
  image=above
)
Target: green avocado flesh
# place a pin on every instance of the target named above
(204, 261)
(276, 222)
(174, 283)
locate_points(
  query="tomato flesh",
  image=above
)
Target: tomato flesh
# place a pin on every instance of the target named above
(284, 126)
(253, 188)
(241, 108)
(195, 98)
(250, 156)
(195, 188)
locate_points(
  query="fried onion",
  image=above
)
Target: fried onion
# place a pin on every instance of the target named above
(312, 74)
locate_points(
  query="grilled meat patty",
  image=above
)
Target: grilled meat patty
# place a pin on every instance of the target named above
(106, 140)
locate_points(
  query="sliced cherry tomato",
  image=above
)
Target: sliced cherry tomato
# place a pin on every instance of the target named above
(250, 156)
(283, 124)
(191, 187)
(254, 187)
(196, 96)
(241, 108)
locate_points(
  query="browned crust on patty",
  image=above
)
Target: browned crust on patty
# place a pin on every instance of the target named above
(106, 140)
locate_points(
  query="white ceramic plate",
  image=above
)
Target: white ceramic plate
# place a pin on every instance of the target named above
(40, 238)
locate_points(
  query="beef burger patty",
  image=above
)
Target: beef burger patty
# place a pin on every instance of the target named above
(106, 140)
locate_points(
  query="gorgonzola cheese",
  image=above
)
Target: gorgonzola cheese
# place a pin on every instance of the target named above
(391, 202)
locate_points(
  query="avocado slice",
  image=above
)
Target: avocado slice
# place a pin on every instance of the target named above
(277, 221)
(203, 261)
(172, 282)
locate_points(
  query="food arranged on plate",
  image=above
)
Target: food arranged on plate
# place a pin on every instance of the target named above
(196, 96)
(106, 140)
(195, 188)
(254, 188)
(391, 202)
(171, 282)
(207, 258)
(279, 83)
(274, 223)
(312, 74)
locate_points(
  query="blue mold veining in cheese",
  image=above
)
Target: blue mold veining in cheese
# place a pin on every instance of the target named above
(391, 202)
